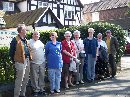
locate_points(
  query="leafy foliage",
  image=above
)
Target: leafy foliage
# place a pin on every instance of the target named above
(99, 27)
(6, 67)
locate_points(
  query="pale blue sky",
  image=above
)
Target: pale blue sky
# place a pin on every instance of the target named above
(88, 1)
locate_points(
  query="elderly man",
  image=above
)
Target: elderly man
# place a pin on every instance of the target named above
(37, 73)
(112, 45)
(20, 55)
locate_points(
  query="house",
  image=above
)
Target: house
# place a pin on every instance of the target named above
(38, 19)
(67, 11)
(113, 11)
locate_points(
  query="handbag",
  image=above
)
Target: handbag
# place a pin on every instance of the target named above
(81, 55)
(72, 66)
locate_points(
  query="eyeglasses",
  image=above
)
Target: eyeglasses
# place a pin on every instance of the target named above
(67, 36)
(52, 35)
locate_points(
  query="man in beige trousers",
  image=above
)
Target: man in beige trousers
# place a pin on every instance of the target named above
(20, 54)
(37, 71)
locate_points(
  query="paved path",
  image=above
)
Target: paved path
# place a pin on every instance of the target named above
(125, 62)
(118, 87)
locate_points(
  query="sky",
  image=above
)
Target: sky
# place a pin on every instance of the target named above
(88, 1)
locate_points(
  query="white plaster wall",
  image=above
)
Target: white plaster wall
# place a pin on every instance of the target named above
(49, 19)
(62, 17)
(55, 12)
(66, 22)
(45, 28)
(22, 6)
(44, 19)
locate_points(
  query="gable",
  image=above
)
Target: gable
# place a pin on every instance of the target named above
(28, 18)
(33, 17)
(48, 18)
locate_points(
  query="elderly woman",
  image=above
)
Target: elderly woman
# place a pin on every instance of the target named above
(79, 49)
(101, 65)
(54, 62)
(37, 73)
(91, 50)
(68, 52)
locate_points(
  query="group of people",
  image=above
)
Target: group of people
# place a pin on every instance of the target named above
(64, 59)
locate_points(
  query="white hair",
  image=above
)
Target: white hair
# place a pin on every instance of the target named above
(91, 30)
(99, 34)
(36, 32)
(67, 32)
(76, 32)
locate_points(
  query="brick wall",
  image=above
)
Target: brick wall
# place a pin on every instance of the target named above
(113, 14)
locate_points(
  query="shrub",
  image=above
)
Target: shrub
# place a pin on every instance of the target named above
(6, 67)
(99, 27)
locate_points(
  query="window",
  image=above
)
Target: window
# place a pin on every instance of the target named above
(69, 12)
(95, 16)
(8, 6)
(42, 4)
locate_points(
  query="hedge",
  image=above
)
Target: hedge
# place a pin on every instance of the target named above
(6, 67)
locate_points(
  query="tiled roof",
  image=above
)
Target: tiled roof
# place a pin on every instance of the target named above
(28, 17)
(104, 5)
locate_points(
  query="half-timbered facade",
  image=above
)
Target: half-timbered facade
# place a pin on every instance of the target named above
(69, 12)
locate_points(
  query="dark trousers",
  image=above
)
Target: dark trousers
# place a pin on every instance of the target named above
(102, 69)
(112, 65)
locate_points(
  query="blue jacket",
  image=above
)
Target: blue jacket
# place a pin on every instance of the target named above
(94, 46)
(53, 55)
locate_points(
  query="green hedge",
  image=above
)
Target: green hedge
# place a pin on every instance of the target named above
(6, 67)
(100, 27)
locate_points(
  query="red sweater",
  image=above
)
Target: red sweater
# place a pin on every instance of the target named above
(71, 49)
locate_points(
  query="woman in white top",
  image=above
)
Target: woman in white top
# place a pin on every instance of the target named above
(100, 41)
(79, 48)
(101, 65)
(37, 71)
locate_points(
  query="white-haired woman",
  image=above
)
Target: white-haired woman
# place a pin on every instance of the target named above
(79, 49)
(91, 50)
(101, 65)
(68, 52)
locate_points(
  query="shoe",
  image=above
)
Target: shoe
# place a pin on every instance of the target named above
(71, 84)
(35, 94)
(42, 93)
(81, 82)
(77, 83)
(52, 92)
(66, 86)
(57, 91)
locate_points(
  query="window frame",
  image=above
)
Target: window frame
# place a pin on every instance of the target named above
(8, 6)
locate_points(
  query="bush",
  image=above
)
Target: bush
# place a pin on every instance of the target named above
(6, 67)
(99, 27)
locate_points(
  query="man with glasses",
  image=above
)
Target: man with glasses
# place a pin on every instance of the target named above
(20, 54)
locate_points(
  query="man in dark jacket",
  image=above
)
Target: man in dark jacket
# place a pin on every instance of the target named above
(112, 44)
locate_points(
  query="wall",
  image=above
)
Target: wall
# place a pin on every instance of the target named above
(113, 13)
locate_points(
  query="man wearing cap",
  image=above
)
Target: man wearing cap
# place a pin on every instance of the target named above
(20, 54)
(112, 44)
